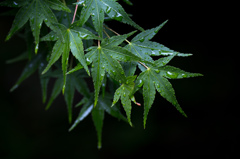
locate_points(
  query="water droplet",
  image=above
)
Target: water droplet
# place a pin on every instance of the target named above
(108, 10)
(124, 94)
(140, 83)
(92, 65)
(157, 71)
(153, 53)
(155, 31)
(142, 39)
(184, 75)
(36, 48)
(118, 17)
(46, 20)
(52, 37)
(120, 81)
(172, 74)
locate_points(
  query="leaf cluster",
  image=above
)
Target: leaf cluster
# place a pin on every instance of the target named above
(74, 45)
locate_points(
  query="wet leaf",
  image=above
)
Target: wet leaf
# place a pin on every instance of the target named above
(36, 11)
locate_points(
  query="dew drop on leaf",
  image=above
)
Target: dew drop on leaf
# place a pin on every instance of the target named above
(172, 74)
(108, 10)
(140, 83)
(184, 75)
(142, 39)
(157, 71)
(15, 3)
(118, 17)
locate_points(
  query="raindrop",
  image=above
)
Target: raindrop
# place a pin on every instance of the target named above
(108, 10)
(52, 37)
(184, 75)
(15, 3)
(118, 17)
(142, 39)
(172, 74)
(88, 60)
(36, 48)
(157, 71)
(140, 83)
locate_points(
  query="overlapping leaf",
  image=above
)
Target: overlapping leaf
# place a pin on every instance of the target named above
(72, 41)
(107, 58)
(36, 11)
(104, 58)
(96, 9)
(142, 46)
(97, 112)
(124, 92)
(154, 78)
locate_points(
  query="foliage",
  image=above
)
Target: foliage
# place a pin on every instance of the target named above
(74, 48)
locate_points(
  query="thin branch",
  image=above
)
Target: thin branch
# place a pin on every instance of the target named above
(106, 33)
(143, 64)
(116, 33)
(75, 12)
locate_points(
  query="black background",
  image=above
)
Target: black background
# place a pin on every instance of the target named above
(211, 129)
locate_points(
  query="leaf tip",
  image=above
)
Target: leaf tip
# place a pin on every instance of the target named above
(99, 145)
(13, 88)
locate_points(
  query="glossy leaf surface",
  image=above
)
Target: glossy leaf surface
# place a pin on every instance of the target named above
(36, 11)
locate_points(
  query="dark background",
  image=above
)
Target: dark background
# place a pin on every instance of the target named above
(211, 129)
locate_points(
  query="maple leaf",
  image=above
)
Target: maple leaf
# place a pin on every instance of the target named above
(154, 78)
(72, 38)
(141, 45)
(96, 9)
(124, 92)
(36, 11)
(106, 57)
(97, 112)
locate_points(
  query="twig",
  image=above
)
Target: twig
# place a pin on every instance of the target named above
(116, 33)
(75, 12)
(143, 64)
(106, 33)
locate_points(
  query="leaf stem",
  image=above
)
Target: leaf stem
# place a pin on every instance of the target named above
(143, 64)
(75, 12)
(106, 33)
(125, 40)
(115, 33)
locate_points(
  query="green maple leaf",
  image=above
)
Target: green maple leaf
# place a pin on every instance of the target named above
(36, 11)
(141, 45)
(97, 112)
(106, 57)
(155, 78)
(72, 38)
(96, 9)
(123, 93)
